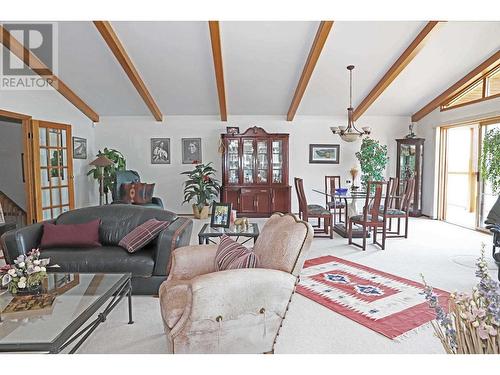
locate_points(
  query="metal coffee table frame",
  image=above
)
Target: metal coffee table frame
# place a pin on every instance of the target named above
(204, 237)
(74, 330)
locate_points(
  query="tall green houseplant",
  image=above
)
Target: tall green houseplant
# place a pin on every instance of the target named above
(201, 187)
(373, 159)
(490, 159)
(119, 164)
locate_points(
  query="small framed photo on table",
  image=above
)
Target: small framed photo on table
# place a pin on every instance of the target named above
(221, 215)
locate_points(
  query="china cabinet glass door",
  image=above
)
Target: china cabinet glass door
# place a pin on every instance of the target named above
(248, 161)
(262, 162)
(53, 169)
(233, 151)
(277, 161)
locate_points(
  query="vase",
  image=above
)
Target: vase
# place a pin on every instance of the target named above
(200, 214)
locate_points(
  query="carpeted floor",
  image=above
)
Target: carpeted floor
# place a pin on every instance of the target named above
(312, 328)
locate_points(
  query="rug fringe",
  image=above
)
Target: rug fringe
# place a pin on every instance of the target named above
(413, 332)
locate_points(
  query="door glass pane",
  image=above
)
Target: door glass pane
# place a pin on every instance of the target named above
(54, 137)
(43, 157)
(56, 211)
(42, 138)
(45, 198)
(44, 176)
(248, 161)
(47, 214)
(64, 157)
(407, 161)
(65, 209)
(56, 196)
(64, 195)
(487, 198)
(277, 162)
(262, 162)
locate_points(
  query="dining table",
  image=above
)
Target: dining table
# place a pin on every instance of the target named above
(352, 199)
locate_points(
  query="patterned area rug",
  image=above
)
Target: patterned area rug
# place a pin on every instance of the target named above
(385, 303)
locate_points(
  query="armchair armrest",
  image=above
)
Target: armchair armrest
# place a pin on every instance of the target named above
(22, 240)
(177, 234)
(232, 293)
(190, 261)
(157, 201)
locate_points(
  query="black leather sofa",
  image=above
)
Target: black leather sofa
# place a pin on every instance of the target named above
(148, 266)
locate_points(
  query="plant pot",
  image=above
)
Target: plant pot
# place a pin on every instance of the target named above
(200, 214)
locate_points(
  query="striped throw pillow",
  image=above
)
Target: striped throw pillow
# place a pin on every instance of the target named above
(142, 235)
(232, 255)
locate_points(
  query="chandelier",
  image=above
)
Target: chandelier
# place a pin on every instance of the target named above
(350, 133)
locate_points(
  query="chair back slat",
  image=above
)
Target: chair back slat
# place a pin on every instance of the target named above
(331, 183)
(393, 192)
(299, 187)
(407, 197)
(381, 190)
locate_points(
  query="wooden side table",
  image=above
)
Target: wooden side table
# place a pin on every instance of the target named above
(5, 227)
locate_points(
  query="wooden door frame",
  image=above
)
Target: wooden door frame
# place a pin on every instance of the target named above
(27, 160)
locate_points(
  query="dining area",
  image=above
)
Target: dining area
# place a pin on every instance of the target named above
(378, 210)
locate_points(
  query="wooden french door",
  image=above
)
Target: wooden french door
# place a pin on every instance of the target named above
(52, 169)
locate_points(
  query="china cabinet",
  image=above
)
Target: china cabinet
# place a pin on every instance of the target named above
(410, 161)
(255, 172)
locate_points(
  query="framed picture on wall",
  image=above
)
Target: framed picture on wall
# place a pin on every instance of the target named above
(191, 151)
(79, 148)
(160, 150)
(324, 154)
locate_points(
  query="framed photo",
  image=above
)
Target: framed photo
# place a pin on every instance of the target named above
(160, 150)
(2, 218)
(221, 215)
(191, 150)
(324, 154)
(232, 130)
(79, 148)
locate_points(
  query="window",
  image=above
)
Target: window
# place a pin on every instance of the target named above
(483, 88)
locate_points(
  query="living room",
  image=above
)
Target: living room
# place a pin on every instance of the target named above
(324, 183)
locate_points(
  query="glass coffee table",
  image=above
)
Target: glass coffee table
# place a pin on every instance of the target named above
(207, 233)
(65, 322)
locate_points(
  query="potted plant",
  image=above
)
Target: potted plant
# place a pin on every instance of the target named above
(373, 159)
(490, 159)
(109, 172)
(201, 187)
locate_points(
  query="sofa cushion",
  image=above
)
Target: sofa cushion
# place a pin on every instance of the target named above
(70, 235)
(142, 235)
(117, 220)
(101, 260)
(232, 255)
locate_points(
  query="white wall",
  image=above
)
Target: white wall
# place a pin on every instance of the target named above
(428, 129)
(11, 148)
(131, 135)
(52, 106)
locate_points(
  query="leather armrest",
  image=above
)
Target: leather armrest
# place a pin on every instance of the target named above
(191, 261)
(157, 201)
(177, 234)
(22, 240)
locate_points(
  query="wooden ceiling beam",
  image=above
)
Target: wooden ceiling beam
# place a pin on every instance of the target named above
(474, 74)
(401, 63)
(36, 65)
(316, 48)
(126, 63)
(218, 67)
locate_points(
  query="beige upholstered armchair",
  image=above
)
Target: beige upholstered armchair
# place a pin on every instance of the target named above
(239, 310)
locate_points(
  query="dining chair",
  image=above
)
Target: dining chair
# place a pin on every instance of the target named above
(393, 198)
(307, 211)
(401, 210)
(332, 183)
(372, 217)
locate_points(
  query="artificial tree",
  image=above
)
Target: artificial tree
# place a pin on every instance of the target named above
(109, 173)
(201, 187)
(373, 159)
(490, 159)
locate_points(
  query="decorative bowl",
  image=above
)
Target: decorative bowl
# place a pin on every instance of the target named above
(341, 191)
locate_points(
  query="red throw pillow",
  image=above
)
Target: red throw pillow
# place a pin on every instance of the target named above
(142, 235)
(70, 235)
(232, 255)
(137, 192)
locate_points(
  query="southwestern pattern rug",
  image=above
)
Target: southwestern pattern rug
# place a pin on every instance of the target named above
(387, 304)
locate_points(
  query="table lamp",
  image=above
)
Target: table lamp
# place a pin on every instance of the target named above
(101, 162)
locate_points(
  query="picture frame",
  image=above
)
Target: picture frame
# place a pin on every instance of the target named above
(191, 151)
(160, 151)
(79, 148)
(221, 215)
(232, 130)
(2, 218)
(324, 154)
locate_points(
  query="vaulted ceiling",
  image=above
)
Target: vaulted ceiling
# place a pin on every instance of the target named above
(263, 62)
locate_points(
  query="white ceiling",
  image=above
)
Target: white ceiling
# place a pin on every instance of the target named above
(263, 62)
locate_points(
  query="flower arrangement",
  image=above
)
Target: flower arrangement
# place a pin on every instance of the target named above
(473, 322)
(26, 273)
